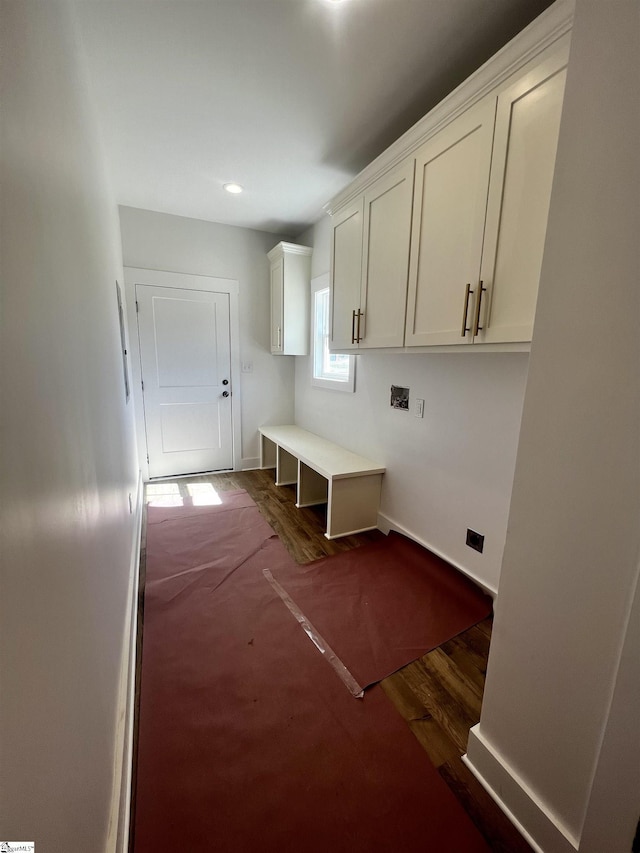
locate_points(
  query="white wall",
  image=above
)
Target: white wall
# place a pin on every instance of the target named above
(68, 461)
(163, 242)
(451, 470)
(571, 557)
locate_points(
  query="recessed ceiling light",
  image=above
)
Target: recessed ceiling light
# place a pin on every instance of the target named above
(232, 188)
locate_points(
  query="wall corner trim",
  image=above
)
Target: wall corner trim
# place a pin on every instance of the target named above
(120, 812)
(534, 819)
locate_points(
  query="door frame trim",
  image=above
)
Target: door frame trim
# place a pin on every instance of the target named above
(182, 281)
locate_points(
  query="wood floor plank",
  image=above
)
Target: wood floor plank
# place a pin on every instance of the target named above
(484, 628)
(435, 741)
(452, 715)
(472, 648)
(404, 697)
(467, 663)
(454, 678)
(439, 705)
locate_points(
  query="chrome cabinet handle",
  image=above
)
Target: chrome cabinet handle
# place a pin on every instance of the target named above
(356, 314)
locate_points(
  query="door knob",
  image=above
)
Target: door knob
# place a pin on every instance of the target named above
(225, 393)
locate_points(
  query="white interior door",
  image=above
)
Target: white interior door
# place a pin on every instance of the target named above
(186, 374)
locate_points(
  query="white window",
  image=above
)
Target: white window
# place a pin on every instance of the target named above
(329, 370)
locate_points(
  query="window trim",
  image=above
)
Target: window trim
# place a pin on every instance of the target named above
(318, 284)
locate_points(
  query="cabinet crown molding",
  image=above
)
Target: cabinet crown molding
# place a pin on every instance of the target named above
(547, 28)
(289, 249)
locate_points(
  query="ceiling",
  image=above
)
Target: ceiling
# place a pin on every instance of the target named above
(289, 98)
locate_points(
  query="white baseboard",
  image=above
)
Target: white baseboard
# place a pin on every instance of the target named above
(250, 463)
(543, 830)
(118, 834)
(385, 524)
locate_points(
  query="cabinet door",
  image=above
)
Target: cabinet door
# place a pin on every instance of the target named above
(450, 199)
(527, 126)
(277, 305)
(346, 275)
(387, 234)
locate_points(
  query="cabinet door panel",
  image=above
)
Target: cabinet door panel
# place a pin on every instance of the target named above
(277, 305)
(387, 232)
(452, 179)
(527, 127)
(346, 274)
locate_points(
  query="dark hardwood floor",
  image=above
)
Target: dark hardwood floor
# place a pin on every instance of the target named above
(439, 695)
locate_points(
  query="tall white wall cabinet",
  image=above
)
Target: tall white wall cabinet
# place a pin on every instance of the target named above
(290, 280)
(439, 241)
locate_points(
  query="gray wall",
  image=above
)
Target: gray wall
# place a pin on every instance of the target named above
(68, 459)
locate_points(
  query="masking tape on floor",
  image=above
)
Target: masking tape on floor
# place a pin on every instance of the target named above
(319, 642)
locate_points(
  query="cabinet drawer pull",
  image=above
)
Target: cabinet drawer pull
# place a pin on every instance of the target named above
(467, 295)
(360, 315)
(353, 326)
(476, 326)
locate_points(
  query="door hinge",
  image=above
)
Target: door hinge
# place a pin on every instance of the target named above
(147, 458)
(142, 383)
(137, 307)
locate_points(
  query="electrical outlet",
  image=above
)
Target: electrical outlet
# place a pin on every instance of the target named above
(247, 367)
(475, 540)
(419, 413)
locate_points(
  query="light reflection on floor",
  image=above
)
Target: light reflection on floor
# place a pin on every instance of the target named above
(181, 493)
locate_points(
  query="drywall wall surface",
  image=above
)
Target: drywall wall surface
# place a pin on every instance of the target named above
(68, 461)
(616, 785)
(446, 472)
(164, 242)
(319, 237)
(571, 553)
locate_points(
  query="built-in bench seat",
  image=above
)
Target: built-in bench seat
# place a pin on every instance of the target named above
(324, 472)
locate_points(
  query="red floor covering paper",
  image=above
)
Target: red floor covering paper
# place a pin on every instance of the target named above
(248, 741)
(383, 605)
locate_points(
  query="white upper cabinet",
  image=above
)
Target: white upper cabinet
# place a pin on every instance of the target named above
(385, 260)
(277, 305)
(346, 274)
(483, 186)
(452, 181)
(369, 264)
(524, 154)
(440, 241)
(290, 282)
